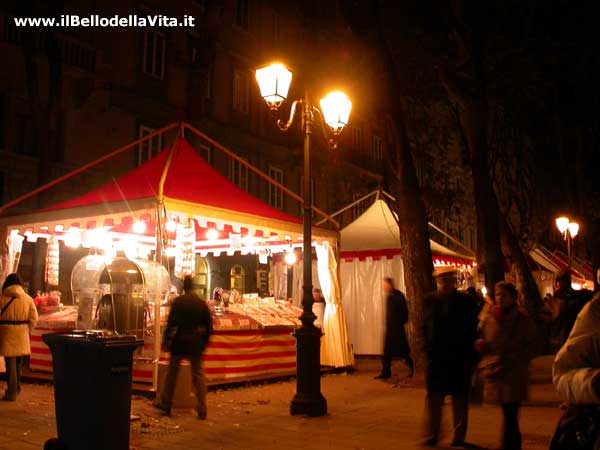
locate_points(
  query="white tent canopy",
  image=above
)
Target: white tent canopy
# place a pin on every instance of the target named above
(370, 251)
(376, 229)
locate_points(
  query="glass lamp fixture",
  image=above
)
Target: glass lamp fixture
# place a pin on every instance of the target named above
(562, 223)
(274, 83)
(336, 107)
(573, 229)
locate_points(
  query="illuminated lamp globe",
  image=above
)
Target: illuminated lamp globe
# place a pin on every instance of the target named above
(171, 226)
(573, 228)
(290, 258)
(212, 234)
(562, 223)
(336, 107)
(274, 83)
(139, 227)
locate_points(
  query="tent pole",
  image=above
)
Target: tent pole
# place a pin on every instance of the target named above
(261, 174)
(160, 200)
(356, 202)
(83, 168)
(456, 241)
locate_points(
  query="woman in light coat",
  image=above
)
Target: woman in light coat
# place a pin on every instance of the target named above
(17, 319)
(509, 339)
(576, 374)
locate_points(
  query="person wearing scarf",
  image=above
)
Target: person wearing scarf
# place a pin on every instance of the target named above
(508, 342)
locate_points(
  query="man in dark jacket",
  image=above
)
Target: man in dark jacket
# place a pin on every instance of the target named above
(188, 329)
(395, 342)
(449, 334)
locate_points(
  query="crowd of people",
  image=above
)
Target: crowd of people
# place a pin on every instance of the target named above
(466, 334)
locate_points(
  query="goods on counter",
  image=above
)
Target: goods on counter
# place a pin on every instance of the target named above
(46, 303)
(269, 313)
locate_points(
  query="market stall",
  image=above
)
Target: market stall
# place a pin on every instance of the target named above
(198, 213)
(370, 251)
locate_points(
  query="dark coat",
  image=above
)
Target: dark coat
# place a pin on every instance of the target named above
(191, 323)
(449, 334)
(395, 342)
(513, 341)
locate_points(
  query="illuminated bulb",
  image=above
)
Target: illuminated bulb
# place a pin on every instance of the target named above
(139, 227)
(573, 229)
(562, 223)
(73, 238)
(290, 258)
(249, 241)
(484, 291)
(171, 226)
(212, 234)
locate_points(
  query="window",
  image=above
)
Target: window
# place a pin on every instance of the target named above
(241, 13)
(238, 173)
(3, 119)
(154, 53)
(357, 137)
(241, 91)
(359, 208)
(377, 148)
(206, 151)
(25, 138)
(276, 193)
(150, 147)
(312, 191)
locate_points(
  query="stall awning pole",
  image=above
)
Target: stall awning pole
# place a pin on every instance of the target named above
(160, 205)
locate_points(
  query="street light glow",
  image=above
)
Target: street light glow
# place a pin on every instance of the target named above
(562, 224)
(573, 228)
(274, 83)
(336, 107)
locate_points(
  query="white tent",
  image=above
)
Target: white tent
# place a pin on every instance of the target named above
(370, 250)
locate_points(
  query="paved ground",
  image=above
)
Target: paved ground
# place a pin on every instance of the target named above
(363, 414)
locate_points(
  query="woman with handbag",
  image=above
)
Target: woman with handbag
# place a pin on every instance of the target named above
(508, 342)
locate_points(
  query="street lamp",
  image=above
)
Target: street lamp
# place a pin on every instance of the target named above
(274, 82)
(569, 231)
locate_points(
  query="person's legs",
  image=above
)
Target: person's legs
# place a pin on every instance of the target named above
(411, 366)
(460, 413)
(11, 379)
(433, 416)
(19, 365)
(199, 383)
(166, 399)
(386, 365)
(511, 437)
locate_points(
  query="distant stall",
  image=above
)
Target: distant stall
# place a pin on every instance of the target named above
(369, 251)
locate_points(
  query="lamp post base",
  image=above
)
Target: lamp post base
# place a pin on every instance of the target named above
(308, 405)
(308, 399)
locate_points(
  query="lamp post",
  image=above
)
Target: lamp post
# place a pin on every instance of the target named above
(569, 231)
(274, 82)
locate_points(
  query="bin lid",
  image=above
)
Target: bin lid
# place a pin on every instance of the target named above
(104, 337)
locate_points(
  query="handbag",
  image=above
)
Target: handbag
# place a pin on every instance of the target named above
(577, 429)
(491, 368)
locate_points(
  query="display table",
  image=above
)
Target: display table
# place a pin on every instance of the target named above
(239, 348)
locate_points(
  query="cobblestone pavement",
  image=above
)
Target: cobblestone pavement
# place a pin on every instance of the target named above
(363, 414)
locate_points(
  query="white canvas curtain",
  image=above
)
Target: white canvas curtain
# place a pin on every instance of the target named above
(336, 350)
(363, 300)
(298, 281)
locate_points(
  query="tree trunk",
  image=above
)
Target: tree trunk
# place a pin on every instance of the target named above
(414, 235)
(473, 116)
(365, 21)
